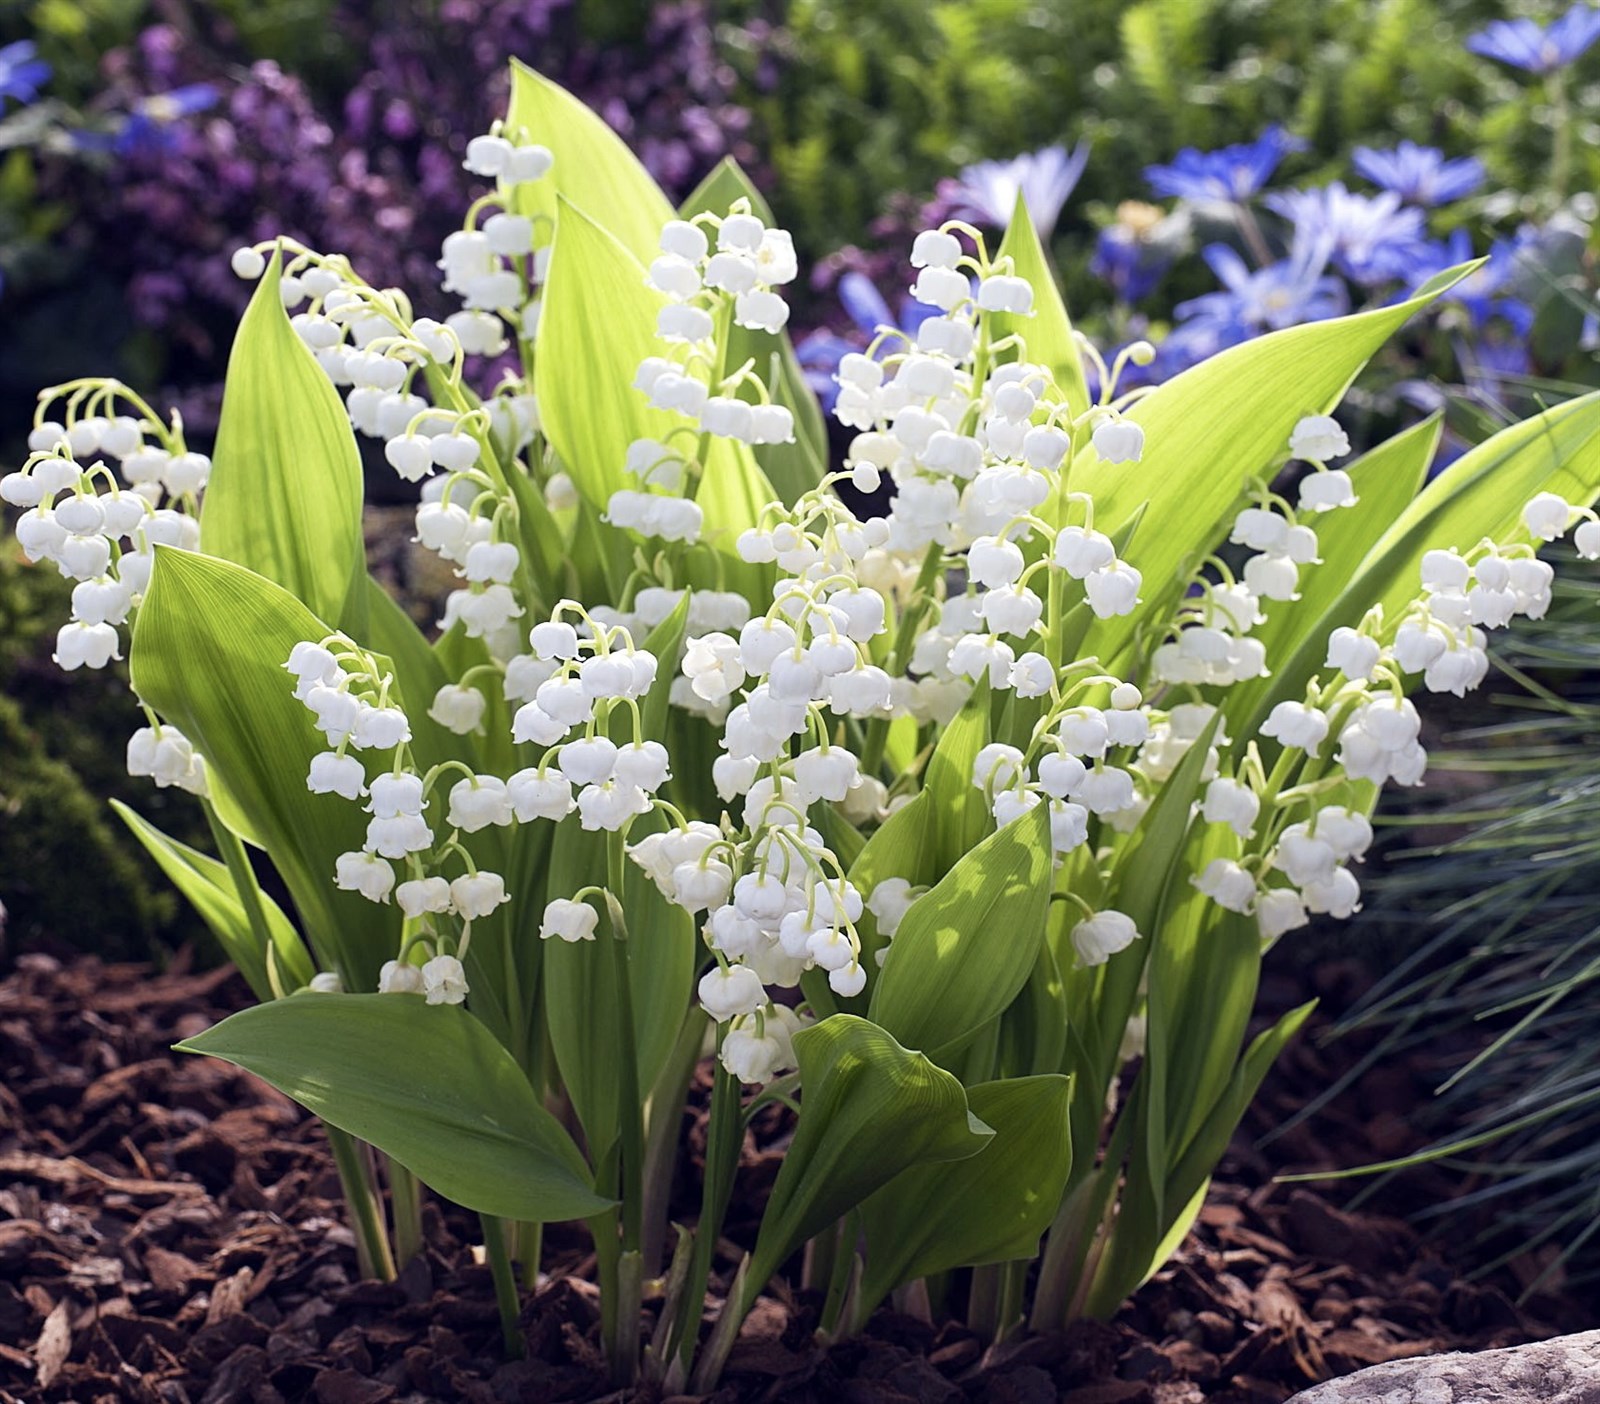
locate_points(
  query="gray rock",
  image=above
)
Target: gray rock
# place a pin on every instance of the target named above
(1563, 1371)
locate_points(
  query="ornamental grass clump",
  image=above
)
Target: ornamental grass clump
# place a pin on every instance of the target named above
(958, 827)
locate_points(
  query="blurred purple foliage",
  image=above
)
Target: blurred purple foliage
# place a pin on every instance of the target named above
(376, 176)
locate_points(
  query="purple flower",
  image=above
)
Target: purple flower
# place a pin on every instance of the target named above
(1419, 175)
(1371, 239)
(1253, 301)
(22, 72)
(1527, 45)
(986, 193)
(1228, 176)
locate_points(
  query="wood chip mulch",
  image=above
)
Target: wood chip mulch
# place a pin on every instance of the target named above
(170, 1233)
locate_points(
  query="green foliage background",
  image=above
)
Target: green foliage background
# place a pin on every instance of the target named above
(877, 96)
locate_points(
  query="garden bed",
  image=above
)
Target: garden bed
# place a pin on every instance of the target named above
(170, 1231)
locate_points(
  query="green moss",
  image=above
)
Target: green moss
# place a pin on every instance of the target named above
(70, 874)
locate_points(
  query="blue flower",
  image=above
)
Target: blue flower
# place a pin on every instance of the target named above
(1126, 263)
(1484, 293)
(22, 72)
(1419, 175)
(1253, 301)
(1371, 239)
(1524, 44)
(1229, 176)
(819, 353)
(152, 127)
(987, 192)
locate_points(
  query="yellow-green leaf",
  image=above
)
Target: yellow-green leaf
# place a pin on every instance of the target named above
(211, 891)
(208, 652)
(1213, 428)
(598, 324)
(593, 167)
(792, 468)
(285, 492)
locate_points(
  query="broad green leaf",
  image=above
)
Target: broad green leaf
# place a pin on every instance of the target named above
(211, 891)
(1048, 331)
(792, 468)
(1033, 1031)
(1295, 632)
(285, 492)
(582, 999)
(989, 1208)
(870, 1109)
(593, 167)
(598, 324)
(966, 948)
(208, 652)
(426, 1084)
(1102, 998)
(961, 814)
(1211, 429)
(845, 840)
(1205, 966)
(904, 846)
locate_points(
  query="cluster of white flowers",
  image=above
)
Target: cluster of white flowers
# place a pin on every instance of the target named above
(707, 289)
(99, 526)
(369, 345)
(776, 905)
(1439, 636)
(352, 701)
(983, 548)
(165, 755)
(1070, 772)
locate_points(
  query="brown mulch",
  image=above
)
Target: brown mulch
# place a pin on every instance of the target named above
(170, 1233)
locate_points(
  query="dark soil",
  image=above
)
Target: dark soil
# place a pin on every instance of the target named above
(170, 1233)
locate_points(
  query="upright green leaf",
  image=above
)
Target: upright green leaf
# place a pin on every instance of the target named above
(1048, 331)
(208, 652)
(966, 948)
(593, 167)
(1211, 429)
(1141, 1242)
(870, 1109)
(960, 810)
(904, 846)
(285, 492)
(583, 1001)
(426, 1084)
(211, 891)
(792, 468)
(988, 1208)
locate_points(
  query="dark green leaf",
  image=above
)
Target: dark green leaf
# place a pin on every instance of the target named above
(870, 1110)
(426, 1084)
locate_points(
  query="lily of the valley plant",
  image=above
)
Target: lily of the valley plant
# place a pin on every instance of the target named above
(958, 824)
